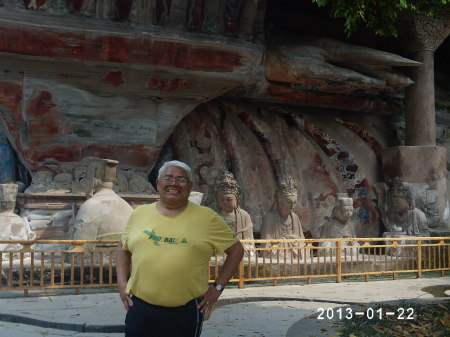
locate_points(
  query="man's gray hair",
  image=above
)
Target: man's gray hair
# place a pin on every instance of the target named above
(176, 163)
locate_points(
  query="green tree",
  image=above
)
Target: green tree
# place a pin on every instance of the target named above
(379, 16)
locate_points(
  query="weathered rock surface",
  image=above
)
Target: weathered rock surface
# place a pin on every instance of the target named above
(141, 81)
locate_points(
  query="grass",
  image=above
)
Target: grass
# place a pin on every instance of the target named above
(429, 319)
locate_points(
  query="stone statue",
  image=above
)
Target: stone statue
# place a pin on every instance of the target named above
(227, 193)
(105, 214)
(398, 211)
(282, 222)
(340, 225)
(12, 226)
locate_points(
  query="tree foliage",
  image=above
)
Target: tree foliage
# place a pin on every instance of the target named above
(379, 16)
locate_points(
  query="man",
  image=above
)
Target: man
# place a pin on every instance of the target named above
(167, 246)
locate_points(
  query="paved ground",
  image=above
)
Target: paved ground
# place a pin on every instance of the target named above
(256, 311)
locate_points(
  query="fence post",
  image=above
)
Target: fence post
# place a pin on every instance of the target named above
(419, 258)
(338, 262)
(241, 274)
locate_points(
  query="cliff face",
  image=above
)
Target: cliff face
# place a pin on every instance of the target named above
(144, 81)
(74, 87)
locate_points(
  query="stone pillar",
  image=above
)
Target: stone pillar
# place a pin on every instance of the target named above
(422, 37)
(420, 121)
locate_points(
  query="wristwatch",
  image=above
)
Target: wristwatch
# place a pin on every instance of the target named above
(218, 287)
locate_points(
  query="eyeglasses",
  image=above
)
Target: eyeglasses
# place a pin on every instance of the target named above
(171, 180)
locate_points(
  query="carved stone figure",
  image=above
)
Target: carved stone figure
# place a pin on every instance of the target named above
(282, 222)
(227, 193)
(12, 226)
(340, 225)
(105, 214)
(398, 211)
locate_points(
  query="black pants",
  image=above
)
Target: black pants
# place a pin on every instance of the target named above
(147, 320)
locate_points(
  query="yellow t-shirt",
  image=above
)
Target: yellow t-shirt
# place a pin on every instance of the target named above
(170, 255)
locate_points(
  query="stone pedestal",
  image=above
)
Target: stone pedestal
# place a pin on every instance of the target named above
(421, 165)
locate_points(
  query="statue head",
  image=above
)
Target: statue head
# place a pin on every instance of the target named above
(400, 196)
(286, 196)
(344, 208)
(227, 191)
(8, 194)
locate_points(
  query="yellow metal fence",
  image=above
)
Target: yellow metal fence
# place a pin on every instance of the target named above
(338, 258)
(57, 264)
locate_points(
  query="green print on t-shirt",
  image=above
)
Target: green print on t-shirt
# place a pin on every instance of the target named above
(158, 239)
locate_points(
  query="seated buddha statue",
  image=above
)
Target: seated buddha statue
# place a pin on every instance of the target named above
(281, 222)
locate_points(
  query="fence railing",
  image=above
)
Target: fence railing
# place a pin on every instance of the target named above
(338, 258)
(57, 264)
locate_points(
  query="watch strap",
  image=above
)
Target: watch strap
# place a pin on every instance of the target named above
(219, 287)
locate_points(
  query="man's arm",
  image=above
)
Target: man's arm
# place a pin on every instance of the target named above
(123, 266)
(230, 265)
